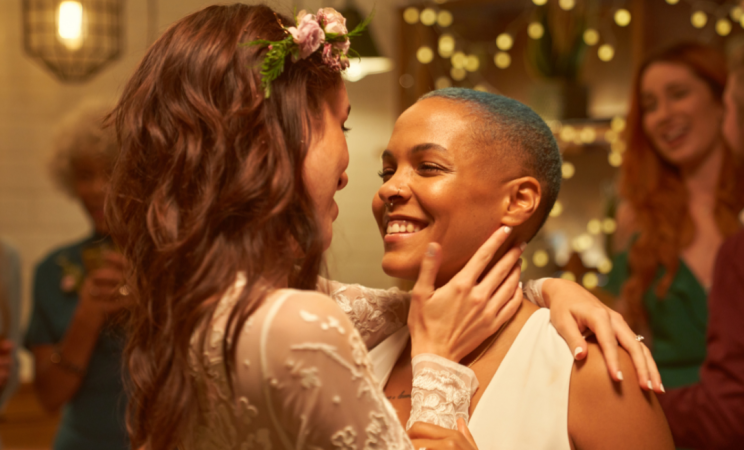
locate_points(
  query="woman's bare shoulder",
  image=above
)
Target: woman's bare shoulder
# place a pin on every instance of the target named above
(606, 414)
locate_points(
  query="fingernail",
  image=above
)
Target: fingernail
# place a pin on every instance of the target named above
(662, 388)
(431, 250)
(619, 375)
(523, 246)
(577, 352)
(507, 230)
(650, 385)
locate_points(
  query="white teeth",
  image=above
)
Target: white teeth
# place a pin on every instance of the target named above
(402, 226)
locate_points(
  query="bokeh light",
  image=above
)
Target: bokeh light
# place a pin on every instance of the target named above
(458, 60)
(557, 209)
(443, 82)
(605, 266)
(502, 60)
(428, 17)
(567, 5)
(568, 276)
(539, 2)
(568, 133)
(622, 17)
(411, 15)
(591, 36)
(699, 19)
(568, 170)
(615, 159)
(672, 2)
(406, 80)
(723, 27)
(588, 135)
(609, 225)
(535, 30)
(594, 226)
(472, 63)
(540, 258)
(481, 88)
(590, 280)
(424, 55)
(606, 52)
(446, 45)
(617, 124)
(582, 243)
(504, 41)
(736, 13)
(458, 73)
(444, 19)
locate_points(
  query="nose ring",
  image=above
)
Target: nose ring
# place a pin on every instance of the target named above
(398, 193)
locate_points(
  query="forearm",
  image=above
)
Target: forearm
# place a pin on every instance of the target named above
(57, 382)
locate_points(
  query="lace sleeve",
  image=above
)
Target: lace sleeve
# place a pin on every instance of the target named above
(376, 313)
(319, 387)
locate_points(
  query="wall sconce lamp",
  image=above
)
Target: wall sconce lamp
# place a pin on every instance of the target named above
(74, 39)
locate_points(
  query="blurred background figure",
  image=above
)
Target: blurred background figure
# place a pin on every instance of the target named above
(10, 318)
(77, 291)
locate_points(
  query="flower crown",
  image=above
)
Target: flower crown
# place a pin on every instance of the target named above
(326, 30)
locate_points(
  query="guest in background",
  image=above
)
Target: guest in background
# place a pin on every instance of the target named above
(10, 318)
(76, 345)
(681, 194)
(710, 414)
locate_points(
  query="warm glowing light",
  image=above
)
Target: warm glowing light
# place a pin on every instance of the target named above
(504, 41)
(736, 13)
(672, 2)
(605, 266)
(588, 135)
(70, 24)
(622, 17)
(444, 19)
(606, 52)
(582, 243)
(425, 55)
(723, 27)
(618, 146)
(446, 45)
(594, 226)
(443, 82)
(502, 60)
(535, 30)
(617, 124)
(615, 159)
(540, 258)
(428, 17)
(458, 60)
(458, 73)
(411, 15)
(609, 225)
(611, 136)
(699, 19)
(568, 133)
(568, 170)
(590, 280)
(481, 88)
(524, 264)
(567, 5)
(591, 36)
(361, 67)
(539, 2)
(568, 276)
(472, 63)
(557, 209)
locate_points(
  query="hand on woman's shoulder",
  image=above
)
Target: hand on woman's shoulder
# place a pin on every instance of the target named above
(609, 415)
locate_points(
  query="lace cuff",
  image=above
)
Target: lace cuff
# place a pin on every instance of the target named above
(441, 391)
(533, 292)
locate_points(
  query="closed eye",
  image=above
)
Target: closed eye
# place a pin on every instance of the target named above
(430, 169)
(386, 173)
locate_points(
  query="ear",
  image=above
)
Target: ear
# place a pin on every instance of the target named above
(522, 202)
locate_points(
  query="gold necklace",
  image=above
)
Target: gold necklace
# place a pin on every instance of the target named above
(495, 336)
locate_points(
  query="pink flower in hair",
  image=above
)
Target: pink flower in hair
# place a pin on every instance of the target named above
(331, 58)
(307, 34)
(333, 21)
(343, 46)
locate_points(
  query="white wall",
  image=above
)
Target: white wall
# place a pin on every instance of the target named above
(36, 217)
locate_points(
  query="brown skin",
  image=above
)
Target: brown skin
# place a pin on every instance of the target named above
(459, 206)
(99, 297)
(684, 120)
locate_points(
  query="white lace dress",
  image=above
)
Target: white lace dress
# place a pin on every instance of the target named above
(303, 376)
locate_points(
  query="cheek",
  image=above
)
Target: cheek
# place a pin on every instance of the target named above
(378, 209)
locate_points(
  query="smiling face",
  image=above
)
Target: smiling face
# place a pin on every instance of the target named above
(438, 186)
(324, 171)
(681, 116)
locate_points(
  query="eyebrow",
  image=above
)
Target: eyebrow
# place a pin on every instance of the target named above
(419, 148)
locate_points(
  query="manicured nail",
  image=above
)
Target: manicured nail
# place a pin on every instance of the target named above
(507, 230)
(523, 246)
(619, 375)
(431, 250)
(577, 352)
(650, 385)
(520, 285)
(662, 388)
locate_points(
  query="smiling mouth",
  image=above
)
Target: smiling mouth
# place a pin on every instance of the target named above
(403, 227)
(674, 135)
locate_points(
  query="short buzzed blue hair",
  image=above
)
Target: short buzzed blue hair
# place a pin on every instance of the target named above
(507, 124)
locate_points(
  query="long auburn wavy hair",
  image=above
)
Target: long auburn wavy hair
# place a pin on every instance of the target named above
(656, 191)
(208, 184)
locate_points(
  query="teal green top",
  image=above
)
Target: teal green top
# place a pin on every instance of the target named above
(94, 418)
(678, 322)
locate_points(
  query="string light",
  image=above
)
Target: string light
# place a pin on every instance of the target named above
(444, 19)
(458, 73)
(557, 209)
(568, 133)
(591, 36)
(672, 2)
(588, 135)
(723, 27)
(611, 136)
(736, 13)
(540, 258)
(582, 243)
(609, 225)
(622, 17)
(502, 60)
(594, 226)
(481, 88)
(618, 146)
(699, 19)
(535, 30)
(424, 55)
(615, 159)
(606, 52)
(539, 2)
(428, 17)
(567, 5)
(458, 60)
(443, 82)
(472, 63)
(411, 15)
(590, 280)
(568, 170)
(504, 41)
(605, 266)
(617, 124)
(446, 45)
(568, 276)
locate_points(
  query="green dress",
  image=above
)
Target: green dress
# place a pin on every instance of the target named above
(94, 418)
(678, 322)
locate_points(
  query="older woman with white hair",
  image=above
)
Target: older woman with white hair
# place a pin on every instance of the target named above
(76, 345)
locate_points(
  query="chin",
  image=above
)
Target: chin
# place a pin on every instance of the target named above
(402, 268)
